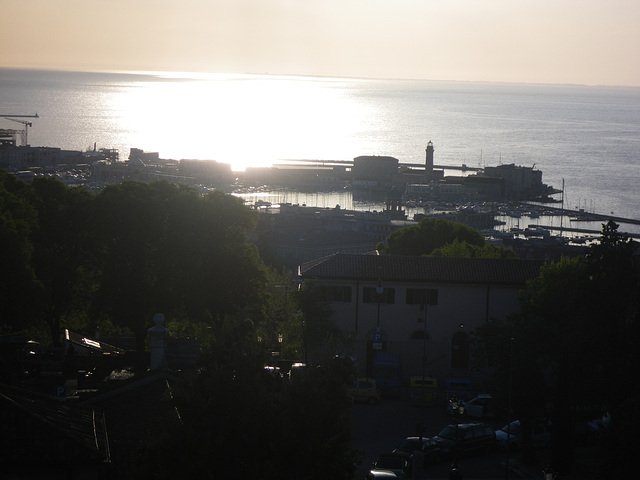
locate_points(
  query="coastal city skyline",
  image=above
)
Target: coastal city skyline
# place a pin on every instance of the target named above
(571, 42)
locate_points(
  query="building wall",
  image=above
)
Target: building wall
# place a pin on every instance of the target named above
(518, 181)
(375, 172)
(460, 309)
(18, 158)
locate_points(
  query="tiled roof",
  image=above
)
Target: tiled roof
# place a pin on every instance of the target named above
(138, 408)
(37, 429)
(422, 269)
(91, 344)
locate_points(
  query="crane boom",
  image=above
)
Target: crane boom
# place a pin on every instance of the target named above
(24, 122)
(21, 116)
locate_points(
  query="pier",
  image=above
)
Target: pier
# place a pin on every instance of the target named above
(349, 163)
(587, 216)
(579, 230)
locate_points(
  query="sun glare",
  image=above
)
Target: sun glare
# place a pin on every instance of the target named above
(254, 122)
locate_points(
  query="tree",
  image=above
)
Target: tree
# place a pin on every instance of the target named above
(240, 421)
(578, 331)
(19, 287)
(462, 249)
(164, 248)
(62, 249)
(322, 339)
(429, 234)
(613, 266)
(283, 317)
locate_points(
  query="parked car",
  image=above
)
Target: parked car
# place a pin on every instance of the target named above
(381, 475)
(465, 438)
(479, 407)
(364, 390)
(410, 445)
(399, 465)
(540, 436)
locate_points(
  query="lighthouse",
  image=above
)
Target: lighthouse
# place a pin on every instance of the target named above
(428, 166)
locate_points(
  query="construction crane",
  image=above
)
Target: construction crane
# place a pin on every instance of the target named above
(26, 124)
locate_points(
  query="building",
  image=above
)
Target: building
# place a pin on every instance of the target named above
(417, 306)
(372, 172)
(307, 175)
(44, 437)
(519, 183)
(81, 412)
(207, 172)
(293, 234)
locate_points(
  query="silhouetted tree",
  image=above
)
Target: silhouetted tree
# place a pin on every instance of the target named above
(462, 249)
(20, 291)
(240, 421)
(578, 329)
(429, 234)
(322, 338)
(613, 266)
(63, 250)
(164, 248)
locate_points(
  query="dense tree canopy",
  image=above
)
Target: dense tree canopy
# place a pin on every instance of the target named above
(19, 288)
(242, 421)
(575, 345)
(465, 250)
(62, 249)
(120, 256)
(71, 257)
(430, 234)
(164, 248)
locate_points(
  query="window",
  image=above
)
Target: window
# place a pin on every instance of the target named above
(460, 350)
(422, 296)
(369, 295)
(337, 293)
(419, 335)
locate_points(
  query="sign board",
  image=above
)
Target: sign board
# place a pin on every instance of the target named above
(60, 391)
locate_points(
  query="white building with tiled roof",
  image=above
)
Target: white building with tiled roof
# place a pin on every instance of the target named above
(427, 305)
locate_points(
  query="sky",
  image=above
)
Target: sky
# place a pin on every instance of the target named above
(591, 42)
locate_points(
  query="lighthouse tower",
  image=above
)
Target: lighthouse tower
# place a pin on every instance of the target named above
(428, 167)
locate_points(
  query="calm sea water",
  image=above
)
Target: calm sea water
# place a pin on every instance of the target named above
(587, 136)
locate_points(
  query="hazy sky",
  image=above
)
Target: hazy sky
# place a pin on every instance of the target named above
(534, 41)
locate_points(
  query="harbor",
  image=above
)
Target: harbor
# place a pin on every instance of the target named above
(504, 202)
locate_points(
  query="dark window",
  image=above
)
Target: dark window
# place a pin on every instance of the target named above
(337, 293)
(369, 295)
(460, 350)
(419, 335)
(422, 296)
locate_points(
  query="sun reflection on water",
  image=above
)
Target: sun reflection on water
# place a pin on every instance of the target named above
(250, 123)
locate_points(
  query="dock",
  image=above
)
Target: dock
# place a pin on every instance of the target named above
(586, 216)
(579, 230)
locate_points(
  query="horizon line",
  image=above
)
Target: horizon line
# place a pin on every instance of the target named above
(201, 75)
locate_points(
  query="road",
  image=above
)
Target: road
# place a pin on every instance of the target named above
(378, 429)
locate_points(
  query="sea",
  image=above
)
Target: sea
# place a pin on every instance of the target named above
(584, 139)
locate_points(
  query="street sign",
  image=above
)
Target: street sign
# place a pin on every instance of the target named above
(60, 391)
